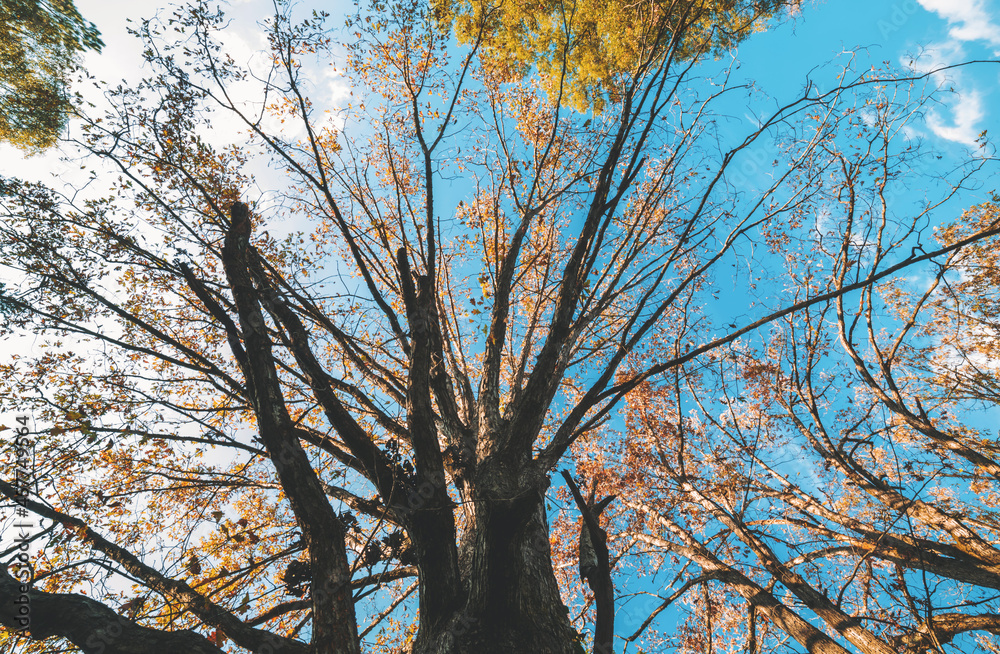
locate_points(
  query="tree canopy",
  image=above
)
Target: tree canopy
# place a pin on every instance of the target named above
(467, 370)
(40, 41)
(588, 50)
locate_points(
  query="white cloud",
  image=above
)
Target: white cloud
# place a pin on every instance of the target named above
(962, 127)
(339, 87)
(970, 20)
(959, 117)
(935, 56)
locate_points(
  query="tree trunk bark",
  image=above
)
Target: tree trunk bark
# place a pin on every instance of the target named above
(512, 598)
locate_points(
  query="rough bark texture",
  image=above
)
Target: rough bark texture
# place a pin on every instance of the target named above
(944, 628)
(90, 625)
(333, 622)
(513, 602)
(178, 591)
(594, 551)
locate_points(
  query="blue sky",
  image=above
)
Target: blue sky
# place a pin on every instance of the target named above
(922, 34)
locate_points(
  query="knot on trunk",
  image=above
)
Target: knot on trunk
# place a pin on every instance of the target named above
(239, 219)
(588, 555)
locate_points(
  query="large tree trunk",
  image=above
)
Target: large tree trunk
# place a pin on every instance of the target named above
(512, 598)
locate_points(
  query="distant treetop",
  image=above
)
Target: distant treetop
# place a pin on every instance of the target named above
(609, 37)
(39, 43)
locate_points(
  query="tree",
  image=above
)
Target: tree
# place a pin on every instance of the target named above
(39, 44)
(589, 50)
(276, 440)
(835, 467)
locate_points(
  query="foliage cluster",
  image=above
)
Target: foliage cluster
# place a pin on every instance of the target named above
(40, 41)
